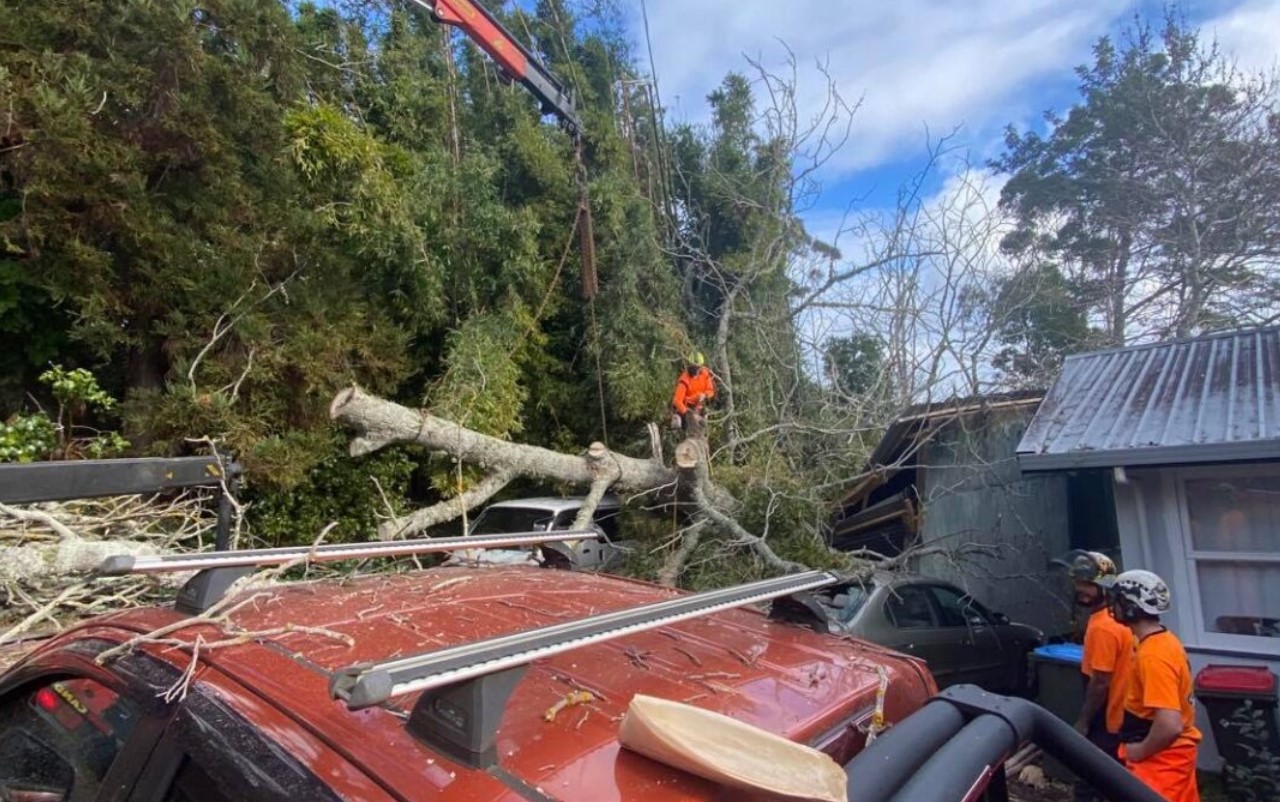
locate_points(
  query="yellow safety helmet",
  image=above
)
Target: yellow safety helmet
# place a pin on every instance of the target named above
(696, 358)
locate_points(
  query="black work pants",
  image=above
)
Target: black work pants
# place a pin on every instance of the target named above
(695, 423)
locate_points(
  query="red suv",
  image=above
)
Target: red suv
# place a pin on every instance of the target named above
(290, 715)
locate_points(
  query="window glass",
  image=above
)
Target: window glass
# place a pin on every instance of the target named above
(1239, 514)
(1240, 598)
(504, 520)
(192, 784)
(849, 601)
(908, 607)
(606, 519)
(564, 520)
(1227, 517)
(957, 609)
(225, 757)
(62, 737)
(609, 520)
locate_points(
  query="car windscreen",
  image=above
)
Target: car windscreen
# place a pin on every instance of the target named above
(503, 520)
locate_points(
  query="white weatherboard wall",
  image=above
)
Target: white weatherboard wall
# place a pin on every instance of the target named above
(1152, 511)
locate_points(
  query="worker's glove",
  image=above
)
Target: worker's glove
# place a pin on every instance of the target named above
(677, 422)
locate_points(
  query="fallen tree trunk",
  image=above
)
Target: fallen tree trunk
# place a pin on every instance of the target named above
(48, 554)
(379, 423)
(43, 560)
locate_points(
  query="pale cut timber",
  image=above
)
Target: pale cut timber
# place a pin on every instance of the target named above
(379, 423)
(729, 752)
(688, 454)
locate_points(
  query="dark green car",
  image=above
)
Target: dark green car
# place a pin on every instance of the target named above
(961, 640)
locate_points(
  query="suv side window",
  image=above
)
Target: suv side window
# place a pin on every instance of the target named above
(909, 607)
(61, 737)
(957, 609)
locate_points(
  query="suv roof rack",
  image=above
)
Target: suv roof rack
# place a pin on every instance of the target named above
(219, 570)
(466, 687)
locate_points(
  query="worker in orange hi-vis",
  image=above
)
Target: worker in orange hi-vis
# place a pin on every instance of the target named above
(1159, 736)
(1108, 658)
(694, 389)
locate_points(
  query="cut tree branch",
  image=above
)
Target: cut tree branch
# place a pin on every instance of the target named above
(446, 510)
(379, 423)
(607, 473)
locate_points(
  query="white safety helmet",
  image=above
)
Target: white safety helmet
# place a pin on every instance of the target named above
(1142, 589)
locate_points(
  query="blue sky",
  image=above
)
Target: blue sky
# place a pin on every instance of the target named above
(917, 65)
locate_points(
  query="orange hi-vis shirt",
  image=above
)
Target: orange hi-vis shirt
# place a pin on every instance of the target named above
(1108, 647)
(693, 390)
(1161, 680)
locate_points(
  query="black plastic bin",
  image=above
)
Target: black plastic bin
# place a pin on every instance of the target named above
(1060, 690)
(1241, 703)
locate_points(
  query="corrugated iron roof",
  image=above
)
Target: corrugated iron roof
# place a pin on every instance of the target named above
(1209, 399)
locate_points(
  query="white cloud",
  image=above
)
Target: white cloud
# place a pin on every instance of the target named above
(1251, 33)
(939, 63)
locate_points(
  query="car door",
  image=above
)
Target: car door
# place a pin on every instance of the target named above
(210, 754)
(73, 732)
(213, 751)
(978, 653)
(914, 629)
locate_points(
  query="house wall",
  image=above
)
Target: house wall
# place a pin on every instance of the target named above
(1151, 513)
(972, 491)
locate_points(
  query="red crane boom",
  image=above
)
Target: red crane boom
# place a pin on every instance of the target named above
(513, 58)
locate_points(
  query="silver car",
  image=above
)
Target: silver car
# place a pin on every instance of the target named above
(961, 640)
(542, 514)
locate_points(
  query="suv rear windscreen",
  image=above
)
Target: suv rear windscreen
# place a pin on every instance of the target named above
(504, 520)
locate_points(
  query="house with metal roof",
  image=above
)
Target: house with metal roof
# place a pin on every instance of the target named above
(1189, 432)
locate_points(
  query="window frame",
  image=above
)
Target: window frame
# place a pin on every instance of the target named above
(604, 519)
(895, 592)
(1189, 559)
(187, 739)
(70, 662)
(970, 603)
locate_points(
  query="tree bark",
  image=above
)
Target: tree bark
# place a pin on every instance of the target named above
(726, 370)
(606, 474)
(446, 510)
(673, 565)
(41, 560)
(379, 423)
(1119, 290)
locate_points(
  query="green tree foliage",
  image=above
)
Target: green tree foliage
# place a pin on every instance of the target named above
(1038, 319)
(738, 232)
(35, 436)
(854, 364)
(1155, 194)
(230, 209)
(335, 489)
(227, 210)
